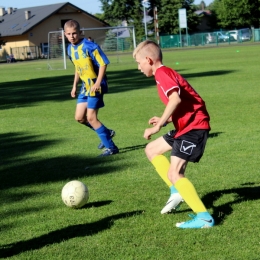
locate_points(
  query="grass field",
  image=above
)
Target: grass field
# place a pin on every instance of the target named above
(42, 148)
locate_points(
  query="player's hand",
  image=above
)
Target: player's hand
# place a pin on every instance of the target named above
(73, 92)
(154, 120)
(151, 131)
(95, 88)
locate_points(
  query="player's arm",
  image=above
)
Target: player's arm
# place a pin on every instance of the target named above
(155, 119)
(174, 101)
(75, 83)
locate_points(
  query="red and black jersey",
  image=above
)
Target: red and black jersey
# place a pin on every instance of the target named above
(191, 112)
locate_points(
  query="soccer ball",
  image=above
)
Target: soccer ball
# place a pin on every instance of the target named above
(75, 194)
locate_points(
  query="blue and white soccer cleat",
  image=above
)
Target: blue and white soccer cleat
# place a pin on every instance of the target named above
(108, 152)
(201, 220)
(173, 203)
(112, 134)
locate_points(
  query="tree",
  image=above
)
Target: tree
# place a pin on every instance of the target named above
(138, 20)
(237, 13)
(168, 15)
(202, 5)
(116, 11)
(100, 16)
(131, 11)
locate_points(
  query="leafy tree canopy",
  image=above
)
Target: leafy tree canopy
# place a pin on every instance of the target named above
(116, 11)
(131, 11)
(237, 13)
(168, 15)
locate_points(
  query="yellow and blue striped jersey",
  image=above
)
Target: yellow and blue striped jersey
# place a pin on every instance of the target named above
(87, 57)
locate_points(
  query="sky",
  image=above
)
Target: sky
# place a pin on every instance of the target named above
(91, 6)
(207, 2)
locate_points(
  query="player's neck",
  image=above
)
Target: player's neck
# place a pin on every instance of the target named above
(156, 66)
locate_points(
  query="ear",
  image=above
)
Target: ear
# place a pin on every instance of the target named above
(149, 60)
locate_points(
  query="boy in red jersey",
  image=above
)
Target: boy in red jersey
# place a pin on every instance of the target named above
(187, 111)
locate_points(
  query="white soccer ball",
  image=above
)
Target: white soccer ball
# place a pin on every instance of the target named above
(75, 194)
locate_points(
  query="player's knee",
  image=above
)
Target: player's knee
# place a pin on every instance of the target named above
(80, 120)
(149, 152)
(90, 120)
(93, 120)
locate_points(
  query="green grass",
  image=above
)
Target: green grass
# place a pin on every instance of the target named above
(42, 148)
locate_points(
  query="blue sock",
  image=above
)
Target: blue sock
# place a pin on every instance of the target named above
(104, 135)
(173, 189)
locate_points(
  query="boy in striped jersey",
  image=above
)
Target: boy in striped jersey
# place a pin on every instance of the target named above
(90, 66)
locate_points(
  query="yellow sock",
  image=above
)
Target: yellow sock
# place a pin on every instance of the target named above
(162, 166)
(189, 194)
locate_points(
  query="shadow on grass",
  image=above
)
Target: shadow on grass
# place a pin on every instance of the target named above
(64, 234)
(220, 213)
(214, 134)
(96, 204)
(29, 92)
(132, 148)
(18, 170)
(207, 73)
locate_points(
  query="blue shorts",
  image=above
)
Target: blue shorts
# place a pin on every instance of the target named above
(94, 102)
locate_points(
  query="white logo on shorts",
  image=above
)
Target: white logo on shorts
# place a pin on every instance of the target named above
(187, 147)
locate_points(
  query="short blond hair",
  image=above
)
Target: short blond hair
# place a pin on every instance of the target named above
(148, 48)
(72, 24)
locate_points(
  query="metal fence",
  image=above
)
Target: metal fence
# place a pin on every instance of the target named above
(23, 53)
(209, 38)
(256, 35)
(26, 52)
(167, 41)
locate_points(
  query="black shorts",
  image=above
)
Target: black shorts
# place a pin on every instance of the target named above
(189, 146)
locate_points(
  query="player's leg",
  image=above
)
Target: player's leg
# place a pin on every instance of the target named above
(112, 134)
(97, 103)
(189, 147)
(183, 185)
(81, 117)
(94, 103)
(81, 109)
(80, 113)
(154, 151)
(190, 196)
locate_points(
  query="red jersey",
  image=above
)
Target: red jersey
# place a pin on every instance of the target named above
(191, 113)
